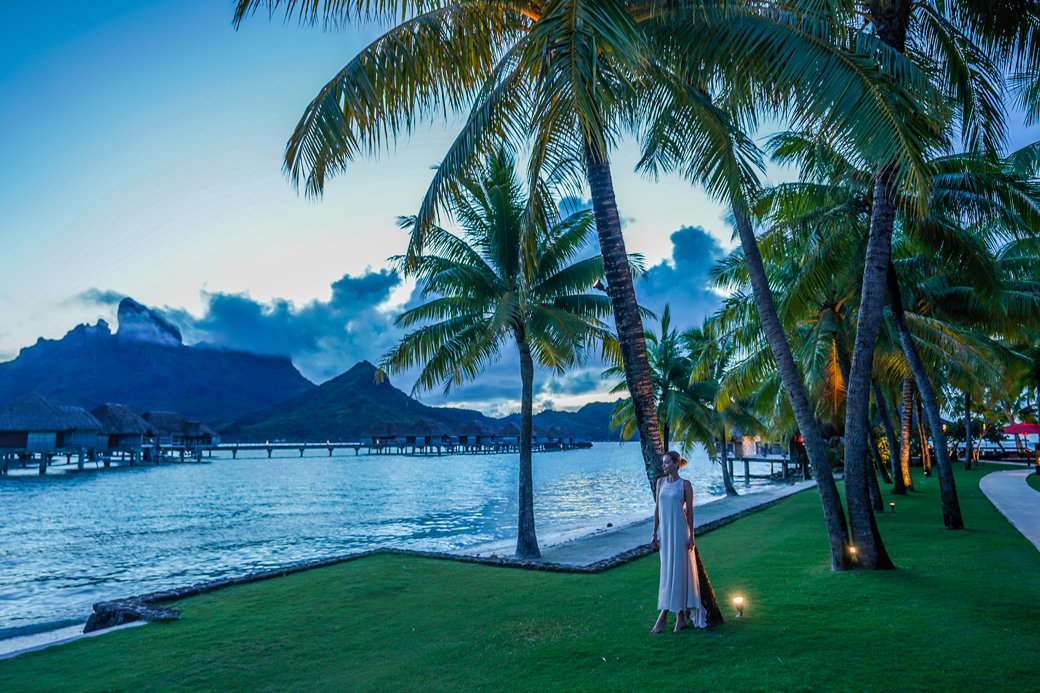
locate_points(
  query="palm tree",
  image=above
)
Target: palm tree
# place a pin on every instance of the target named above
(487, 287)
(569, 77)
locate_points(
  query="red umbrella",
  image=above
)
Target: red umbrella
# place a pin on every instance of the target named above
(1022, 429)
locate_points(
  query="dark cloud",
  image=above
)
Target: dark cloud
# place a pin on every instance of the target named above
(322, 337)
(99, 297)
(682, 280)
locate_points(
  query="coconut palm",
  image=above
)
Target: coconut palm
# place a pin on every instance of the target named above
(569, 77)
(995, 200)
(485, 287)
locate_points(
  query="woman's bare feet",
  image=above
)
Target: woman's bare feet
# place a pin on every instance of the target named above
(659, 626)
(680, 622)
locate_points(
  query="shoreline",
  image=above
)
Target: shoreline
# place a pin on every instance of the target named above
(594, 551)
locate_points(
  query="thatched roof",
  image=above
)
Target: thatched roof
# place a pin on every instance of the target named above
(117, 419)
(474, 428)
(426, 427)
(172, 423)
(35, 413)
(385, 429)
(560, 432)
(80, 418)
(510, 430)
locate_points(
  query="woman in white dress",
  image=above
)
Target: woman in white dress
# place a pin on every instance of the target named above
(673, 516)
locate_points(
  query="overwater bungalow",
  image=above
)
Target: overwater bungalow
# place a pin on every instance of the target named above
(32, 424)
(121, 428)
(474, 436)
(169, 429)
(427, 433)
(508, 436)
(384, 434)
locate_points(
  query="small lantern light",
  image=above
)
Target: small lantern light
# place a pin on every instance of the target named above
(891, 507)
(852, 550)
(739, 603)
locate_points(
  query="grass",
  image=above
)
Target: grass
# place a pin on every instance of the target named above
(960, 613)
(1034, 481)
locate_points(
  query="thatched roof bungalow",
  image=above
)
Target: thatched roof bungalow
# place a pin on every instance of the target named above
(427, 432)
(33, 424)
(509, 434)
(474, 433)
(121, 428)
(384, 433)
(170, 428)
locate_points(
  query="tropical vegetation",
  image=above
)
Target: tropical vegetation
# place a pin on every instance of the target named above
(896, 275)
(485, 287)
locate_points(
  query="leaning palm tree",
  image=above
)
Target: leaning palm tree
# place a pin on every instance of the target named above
(569, 78)
(485, 287)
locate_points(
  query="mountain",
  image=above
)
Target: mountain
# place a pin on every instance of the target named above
(341, 409)
(145, 366)
(349, 404)
(591, 422)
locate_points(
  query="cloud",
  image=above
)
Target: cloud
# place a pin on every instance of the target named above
(99, 297)
(682, 280)
(322, 337)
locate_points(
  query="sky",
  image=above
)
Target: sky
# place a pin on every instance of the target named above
(142, 146)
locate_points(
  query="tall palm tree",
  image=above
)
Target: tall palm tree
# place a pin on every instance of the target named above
(569, 77)
(486, 287)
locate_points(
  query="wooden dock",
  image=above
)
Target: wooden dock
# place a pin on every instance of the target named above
(787, 467)
(417, 450)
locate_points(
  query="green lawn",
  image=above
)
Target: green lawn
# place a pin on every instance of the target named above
(1034, 481)
(960, 613)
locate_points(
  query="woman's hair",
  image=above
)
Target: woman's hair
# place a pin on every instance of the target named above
(676, 457)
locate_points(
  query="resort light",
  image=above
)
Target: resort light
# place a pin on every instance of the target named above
(739, 603)
(852, 550)
(891, 507)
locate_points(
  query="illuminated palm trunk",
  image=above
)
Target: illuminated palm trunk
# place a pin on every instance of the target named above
(904, 482)
(951, 508)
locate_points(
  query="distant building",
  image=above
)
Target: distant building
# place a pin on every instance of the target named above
(121, 428)
(32, 424)
(170, 429)
(475, 435)
(508, 435)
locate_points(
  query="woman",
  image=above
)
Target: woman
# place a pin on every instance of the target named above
(680, 587)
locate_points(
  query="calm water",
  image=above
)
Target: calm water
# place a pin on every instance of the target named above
(70, 540)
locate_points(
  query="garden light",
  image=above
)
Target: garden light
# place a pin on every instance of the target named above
(739, 603)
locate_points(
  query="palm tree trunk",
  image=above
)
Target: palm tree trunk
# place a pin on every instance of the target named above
(875, 489)
(890, 20)
(951, 508)
(665, 433)
(890, 432)
(526, 541)
(627, 320)
(922, 435)
(904, 482)
(631, 337)
(794, 386)
(727, 481)
(967, 430)
(869, 546)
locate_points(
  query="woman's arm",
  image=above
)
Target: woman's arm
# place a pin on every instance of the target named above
(657, 516)
(688, 497)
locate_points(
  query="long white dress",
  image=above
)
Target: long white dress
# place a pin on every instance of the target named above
(680, 587)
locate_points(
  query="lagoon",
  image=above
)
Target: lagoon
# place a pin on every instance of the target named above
(70, 540)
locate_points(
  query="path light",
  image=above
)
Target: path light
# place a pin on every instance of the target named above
(852, 550)
(739, 603)
(891, 507)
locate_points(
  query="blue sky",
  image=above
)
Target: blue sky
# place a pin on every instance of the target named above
(141, 155)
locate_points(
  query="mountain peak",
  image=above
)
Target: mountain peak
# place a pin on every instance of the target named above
(140, 323)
